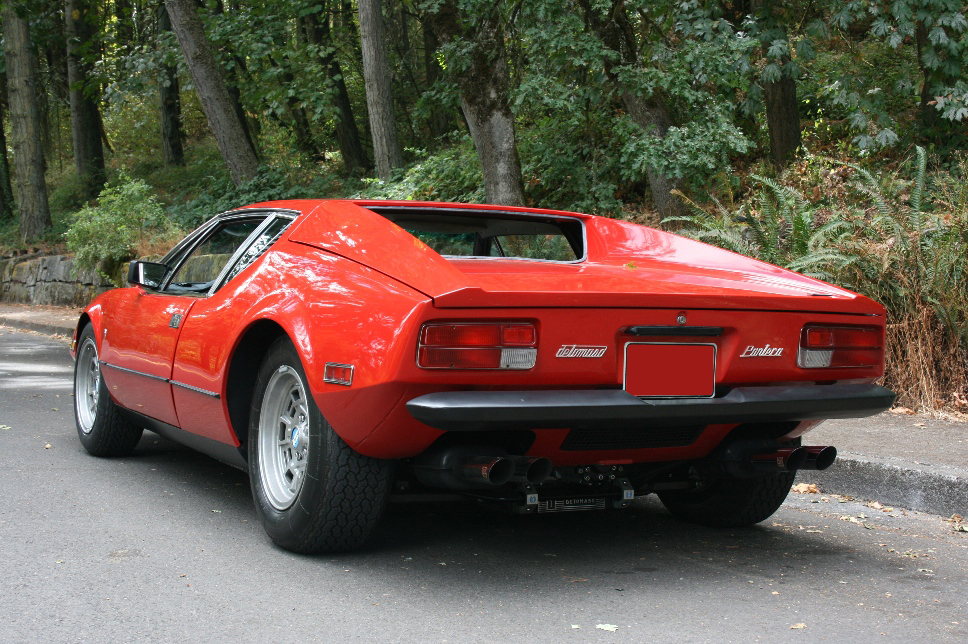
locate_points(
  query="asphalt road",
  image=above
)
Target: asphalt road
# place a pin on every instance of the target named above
(164, 546)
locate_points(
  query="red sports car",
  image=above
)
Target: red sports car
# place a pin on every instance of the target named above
(342, 350)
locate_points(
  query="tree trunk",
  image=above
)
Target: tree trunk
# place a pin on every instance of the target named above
(25, 127)
(170, 102)
(7, 203)
(440, 123)
(782, 118)
(236, 149)
(85, 116)
(379, 97)
(124, 19)
(484, 89)
(317, 32)
(347, 134)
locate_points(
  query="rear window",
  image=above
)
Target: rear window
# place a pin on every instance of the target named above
(477, 233)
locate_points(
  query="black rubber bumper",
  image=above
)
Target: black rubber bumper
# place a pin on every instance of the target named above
(489, 410)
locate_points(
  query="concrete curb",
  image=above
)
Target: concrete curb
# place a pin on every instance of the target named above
(40, 327)
(937, 489)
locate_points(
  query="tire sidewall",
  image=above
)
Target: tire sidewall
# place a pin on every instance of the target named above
(91, 440)
(286, 527)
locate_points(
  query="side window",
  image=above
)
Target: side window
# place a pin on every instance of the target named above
(200, 269)
(265, 239)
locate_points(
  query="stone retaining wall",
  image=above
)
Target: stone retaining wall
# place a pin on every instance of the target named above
(48, 280)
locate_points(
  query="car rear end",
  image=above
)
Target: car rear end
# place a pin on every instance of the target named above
(632, 361)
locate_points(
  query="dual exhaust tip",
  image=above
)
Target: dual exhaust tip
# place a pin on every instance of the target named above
(464, 468)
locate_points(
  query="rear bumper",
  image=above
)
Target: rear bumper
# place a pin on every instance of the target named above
(486, 410)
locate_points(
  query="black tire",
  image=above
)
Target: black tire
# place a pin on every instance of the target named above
(730, 503)
(337, 500)
(101, 427)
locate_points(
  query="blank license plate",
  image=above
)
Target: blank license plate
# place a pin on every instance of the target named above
(664, 370)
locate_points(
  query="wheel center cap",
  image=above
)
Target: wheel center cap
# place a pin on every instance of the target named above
(294, 437)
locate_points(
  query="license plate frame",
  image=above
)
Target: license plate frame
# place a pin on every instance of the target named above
(684, 379)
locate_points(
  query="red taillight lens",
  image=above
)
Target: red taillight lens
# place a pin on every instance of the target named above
(518, 335)
(472, 345)
(836, 346)
(461, 335)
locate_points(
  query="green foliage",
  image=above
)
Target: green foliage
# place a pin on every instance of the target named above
(219, 194)
(103, 236)
(453, 174)
(777, 225)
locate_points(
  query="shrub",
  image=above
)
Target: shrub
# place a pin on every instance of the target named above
(104, 236)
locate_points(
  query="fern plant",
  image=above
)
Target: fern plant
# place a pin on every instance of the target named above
(781, 228)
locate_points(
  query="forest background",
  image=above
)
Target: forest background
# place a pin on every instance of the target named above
(828, 137)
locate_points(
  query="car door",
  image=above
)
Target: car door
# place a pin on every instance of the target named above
(137, 345)
(209, 334)
(140, 336)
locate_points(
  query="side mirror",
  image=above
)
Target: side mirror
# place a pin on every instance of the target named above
(147, 274)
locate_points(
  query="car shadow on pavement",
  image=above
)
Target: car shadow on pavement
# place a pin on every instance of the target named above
(644, 538)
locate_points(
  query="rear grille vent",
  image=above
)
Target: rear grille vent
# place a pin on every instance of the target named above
(631, 438)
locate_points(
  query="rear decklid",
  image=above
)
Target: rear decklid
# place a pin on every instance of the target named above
(616, 264)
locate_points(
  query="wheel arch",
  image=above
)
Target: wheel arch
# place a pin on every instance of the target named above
(244, 369)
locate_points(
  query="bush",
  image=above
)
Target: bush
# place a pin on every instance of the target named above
(452, 174)
(104, 236)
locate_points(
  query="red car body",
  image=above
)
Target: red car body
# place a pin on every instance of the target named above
(353, 292)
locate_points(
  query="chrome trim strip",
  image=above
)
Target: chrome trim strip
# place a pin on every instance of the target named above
(137, 373)
(197, 390)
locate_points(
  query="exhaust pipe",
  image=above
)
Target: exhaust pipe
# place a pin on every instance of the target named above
(788, 459)
(464, 468)
(819, 457)
(531, 470)
(488, 470)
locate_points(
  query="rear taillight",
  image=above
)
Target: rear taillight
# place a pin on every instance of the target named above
(477, 345)
(840, 346)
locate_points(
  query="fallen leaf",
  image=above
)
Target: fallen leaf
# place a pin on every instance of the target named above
(217, 511)
(919, 424)
(577, 579)
(961, 528)
(576, 625)
(816, 531)
(875, 505)
(799, 626)
(4, 426)
(47, 446)
(611, 628)
(902, 410)
(806, 488)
